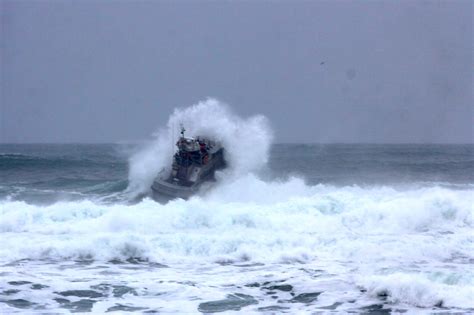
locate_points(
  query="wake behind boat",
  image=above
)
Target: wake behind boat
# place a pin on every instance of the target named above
(194, 163)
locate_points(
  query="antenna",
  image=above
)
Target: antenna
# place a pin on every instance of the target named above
(182, 129)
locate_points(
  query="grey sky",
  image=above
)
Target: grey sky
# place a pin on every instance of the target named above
(321, 71)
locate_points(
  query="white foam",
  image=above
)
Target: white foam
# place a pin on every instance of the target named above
(417, 290)
(380, 236)
(348, 222)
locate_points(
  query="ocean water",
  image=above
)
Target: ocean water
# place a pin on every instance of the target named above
(310, 228)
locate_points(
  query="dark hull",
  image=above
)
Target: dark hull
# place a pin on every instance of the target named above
(164, 191)
(165, 188)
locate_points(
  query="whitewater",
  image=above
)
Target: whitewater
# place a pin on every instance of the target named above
(287, 228)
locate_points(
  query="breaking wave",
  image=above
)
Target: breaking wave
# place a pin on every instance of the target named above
(234, 224)
(246, 141)
(422, 290)
(408, 246)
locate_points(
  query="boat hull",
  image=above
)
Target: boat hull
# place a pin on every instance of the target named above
(163, 190)
(167, 187)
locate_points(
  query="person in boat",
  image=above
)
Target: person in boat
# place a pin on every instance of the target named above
(202, 147)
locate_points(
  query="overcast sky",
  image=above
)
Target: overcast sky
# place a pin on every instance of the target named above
(321, 71)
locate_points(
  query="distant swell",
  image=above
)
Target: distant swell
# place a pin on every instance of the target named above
(20, 161)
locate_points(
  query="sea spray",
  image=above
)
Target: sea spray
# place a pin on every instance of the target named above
(293, 245)
(246, 141)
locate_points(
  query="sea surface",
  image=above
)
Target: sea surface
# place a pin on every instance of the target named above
(333, 228)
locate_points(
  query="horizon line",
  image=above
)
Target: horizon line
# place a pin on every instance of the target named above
(275, 143)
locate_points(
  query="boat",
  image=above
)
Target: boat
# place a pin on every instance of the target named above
(194, 163)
